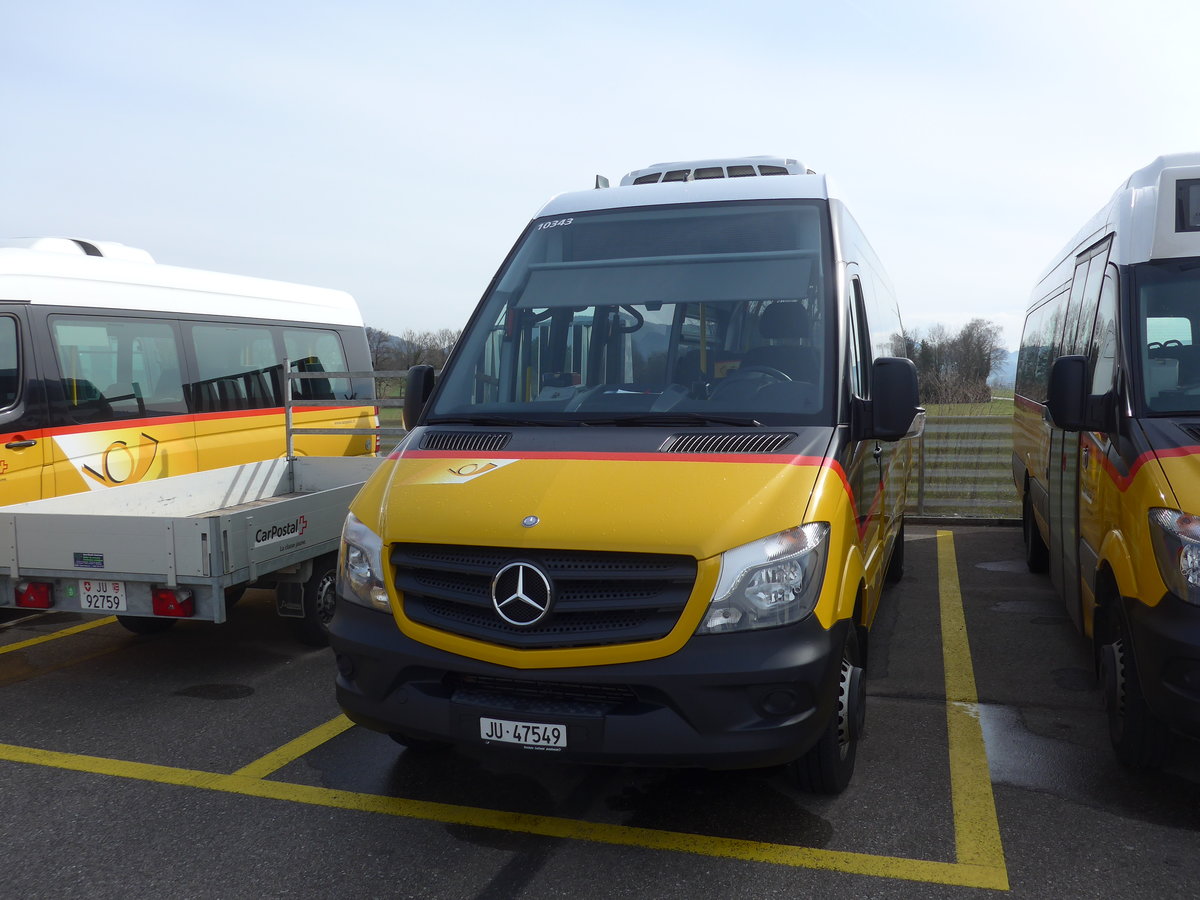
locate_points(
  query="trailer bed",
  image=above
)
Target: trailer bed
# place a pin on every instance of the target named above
(203, 533)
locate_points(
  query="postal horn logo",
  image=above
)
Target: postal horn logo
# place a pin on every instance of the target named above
(119, 463)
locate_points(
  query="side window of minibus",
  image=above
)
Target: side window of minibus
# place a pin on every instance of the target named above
(238, 368)
(316, 350)
(1103, 349)
(10, 362)
(857, 344)
(115, 369)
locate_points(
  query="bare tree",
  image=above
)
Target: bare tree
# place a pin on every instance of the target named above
(425, 348)
(381, 345)
(955, 369)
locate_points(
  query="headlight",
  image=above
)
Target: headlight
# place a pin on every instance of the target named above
(769, 582)
(1176, 538)
(360, 566)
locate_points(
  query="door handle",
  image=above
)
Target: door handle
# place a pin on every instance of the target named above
(19, 445)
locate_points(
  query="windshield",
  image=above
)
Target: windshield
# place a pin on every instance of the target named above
(700, 312)
(1168, 304)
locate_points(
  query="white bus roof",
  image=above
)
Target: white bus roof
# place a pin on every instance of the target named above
(798, 182)
(1143, 214)
(67, 272)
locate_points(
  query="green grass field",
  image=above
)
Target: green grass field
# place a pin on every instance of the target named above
(1000, 406)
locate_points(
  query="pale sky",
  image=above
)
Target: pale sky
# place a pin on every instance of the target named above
(395, 150)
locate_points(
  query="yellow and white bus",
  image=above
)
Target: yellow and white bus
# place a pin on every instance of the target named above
(115, 369)
(1106, 448)
(647, 513)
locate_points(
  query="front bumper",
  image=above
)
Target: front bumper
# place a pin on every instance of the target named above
(1166, 644)
(760, 698)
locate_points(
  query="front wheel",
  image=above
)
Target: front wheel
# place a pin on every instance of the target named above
(319, 596)
(1139, 738)
(826, 768)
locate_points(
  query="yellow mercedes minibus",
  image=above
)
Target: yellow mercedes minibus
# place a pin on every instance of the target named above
(115, 369)
(1106, 449)
(647, 512)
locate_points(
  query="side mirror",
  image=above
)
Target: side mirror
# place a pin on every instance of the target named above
(416, 392)
(894, 405)
(1070, 405)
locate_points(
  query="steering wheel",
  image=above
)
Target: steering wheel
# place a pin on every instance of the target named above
(742, 374)
(769, 371)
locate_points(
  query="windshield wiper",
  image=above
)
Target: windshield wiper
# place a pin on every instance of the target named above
(689, 418)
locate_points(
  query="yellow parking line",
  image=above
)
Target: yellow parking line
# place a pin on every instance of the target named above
(295, 749)
(74, 629)
(958, 874)
(979, 854)
(976, 828)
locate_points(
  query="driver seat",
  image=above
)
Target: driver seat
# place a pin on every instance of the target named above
(788, 321)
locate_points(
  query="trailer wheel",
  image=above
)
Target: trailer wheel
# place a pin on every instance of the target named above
(1139, 738)
(146, 624)
(826, 768)
(319, 596)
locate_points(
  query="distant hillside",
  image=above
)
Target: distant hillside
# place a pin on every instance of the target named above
(1005, 374)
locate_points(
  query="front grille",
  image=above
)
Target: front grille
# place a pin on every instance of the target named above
(545, 697)
(599, 597)
(735, 442)
(1191, 431)
(465, 440)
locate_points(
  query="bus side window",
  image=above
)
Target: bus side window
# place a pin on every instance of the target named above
(10, 370)
(113, 369)
(235, 364)
(1103, 351)
(317, 350)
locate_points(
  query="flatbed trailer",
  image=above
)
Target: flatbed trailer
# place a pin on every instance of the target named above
(184, 546)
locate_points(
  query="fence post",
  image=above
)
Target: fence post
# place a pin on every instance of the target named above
(921, 474)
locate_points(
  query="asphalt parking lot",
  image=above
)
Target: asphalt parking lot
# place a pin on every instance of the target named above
(211, 761)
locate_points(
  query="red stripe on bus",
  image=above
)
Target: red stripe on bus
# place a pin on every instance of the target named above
(1122, 482)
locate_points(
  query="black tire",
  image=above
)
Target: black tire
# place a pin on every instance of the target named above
(1140, 740)
(895, 569)
(827, 767)
(1037, 554)
(146, 624)
(233, 595)
(319, 595)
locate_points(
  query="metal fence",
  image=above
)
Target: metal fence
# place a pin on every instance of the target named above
(964, 469)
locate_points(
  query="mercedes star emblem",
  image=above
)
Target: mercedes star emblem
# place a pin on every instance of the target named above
(521, 594)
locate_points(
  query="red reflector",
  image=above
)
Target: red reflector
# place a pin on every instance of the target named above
(173, 603)
(33, 595)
